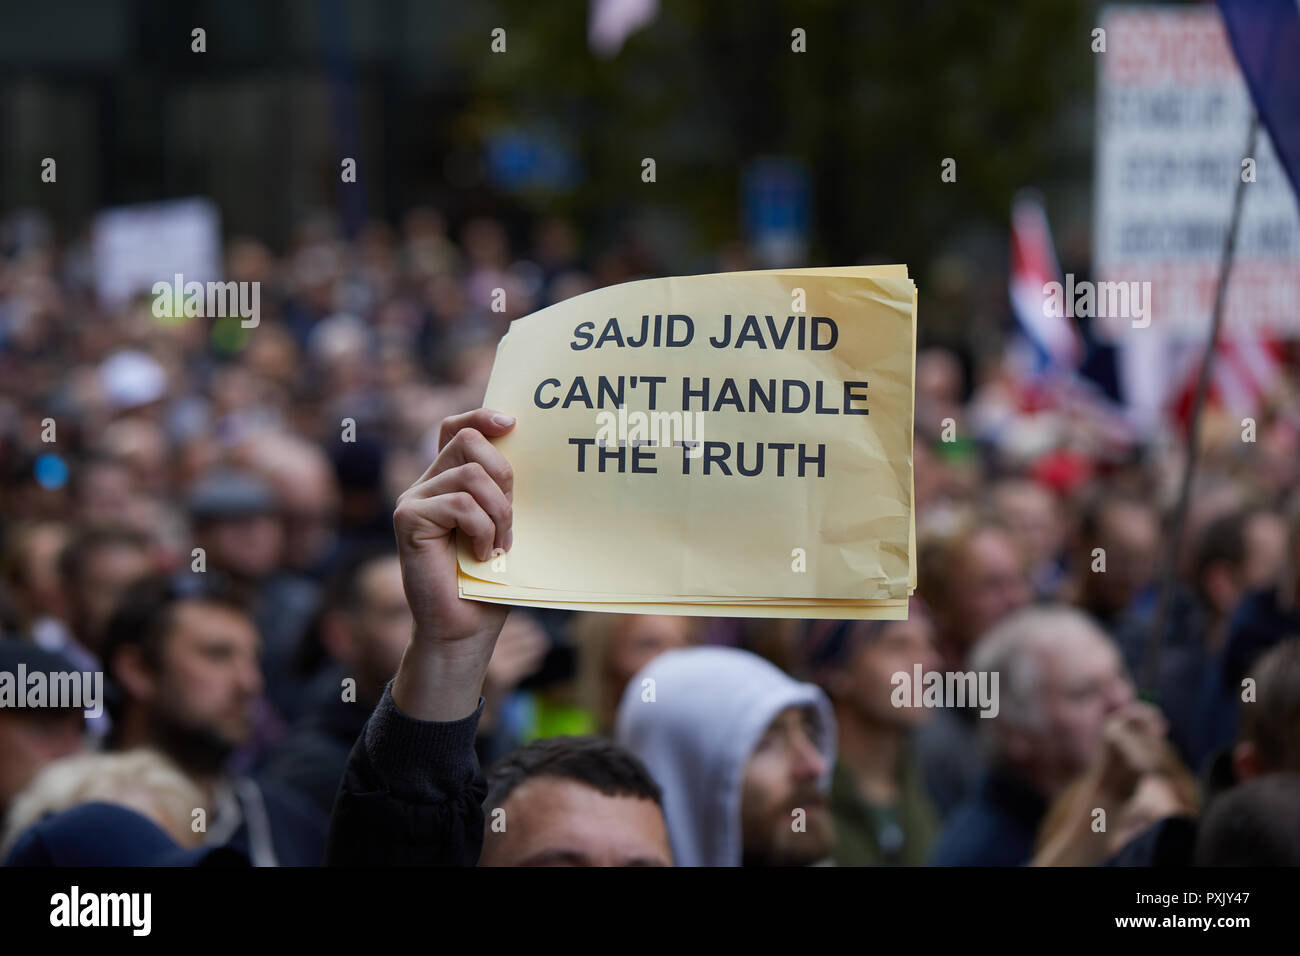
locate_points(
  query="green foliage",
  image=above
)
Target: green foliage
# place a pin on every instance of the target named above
(883, 94)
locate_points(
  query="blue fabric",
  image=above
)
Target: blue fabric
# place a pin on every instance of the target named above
(104, 834)
(1265, 35)
(997, 826)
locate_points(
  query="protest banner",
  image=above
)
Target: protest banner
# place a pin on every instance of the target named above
(1173, 115)
(736, 444)
(135, 246)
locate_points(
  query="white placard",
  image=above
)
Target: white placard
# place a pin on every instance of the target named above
(136, 246)
(1173, 113)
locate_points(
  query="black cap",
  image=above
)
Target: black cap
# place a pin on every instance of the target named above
(34, 659)
(14, 652)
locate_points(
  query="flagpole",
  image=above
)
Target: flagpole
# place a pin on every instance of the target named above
(1150, 668)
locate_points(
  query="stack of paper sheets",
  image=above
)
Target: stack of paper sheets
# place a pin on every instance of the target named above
(731, 445)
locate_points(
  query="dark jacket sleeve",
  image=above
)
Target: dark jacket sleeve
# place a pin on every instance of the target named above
(412, 793)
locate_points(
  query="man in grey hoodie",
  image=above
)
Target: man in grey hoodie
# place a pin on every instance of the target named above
(742, 753)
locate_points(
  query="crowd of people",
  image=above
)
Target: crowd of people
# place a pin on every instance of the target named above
(247, 531)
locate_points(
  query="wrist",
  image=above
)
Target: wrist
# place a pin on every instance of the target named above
(442, 681)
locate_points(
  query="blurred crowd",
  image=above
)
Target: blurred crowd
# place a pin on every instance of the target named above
(204, 513)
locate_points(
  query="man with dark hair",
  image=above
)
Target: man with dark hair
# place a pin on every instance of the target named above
(1124, 531)
(1255, 824)
(1267, 614)
(882, 813)
(1186, 686)
(413, 792)
(1268, 736)
(183, 657)
(573, 801)
(1266, 617)
(363, 628)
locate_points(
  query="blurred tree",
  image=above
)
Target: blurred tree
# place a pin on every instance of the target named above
(883, 94)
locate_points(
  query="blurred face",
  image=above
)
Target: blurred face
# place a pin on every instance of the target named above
(1265, 550)
(786, 774)
(383, 622)
(30, 739)
(106, 573)
(210, 677)
(868, 685)
(550, 821)
(989, 585)
(42, 593)
(309, 511)
(1030, 511)
(1130, 536)
(246, 547)
(938, 377)
(105, 489)
(1083, 683)
(642, 638)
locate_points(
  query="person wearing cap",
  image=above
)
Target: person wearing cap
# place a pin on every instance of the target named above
(131, 380)
(106, 834)
(31, 738)
(883, 814)
(236, 521)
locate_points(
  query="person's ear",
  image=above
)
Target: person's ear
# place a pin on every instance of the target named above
(1245, 761)
(133, 674)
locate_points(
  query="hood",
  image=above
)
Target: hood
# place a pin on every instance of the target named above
(711, 705)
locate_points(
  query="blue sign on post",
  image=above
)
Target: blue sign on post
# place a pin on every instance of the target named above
(777, 207)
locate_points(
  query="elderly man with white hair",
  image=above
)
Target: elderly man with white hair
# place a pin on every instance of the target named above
(1061, 680)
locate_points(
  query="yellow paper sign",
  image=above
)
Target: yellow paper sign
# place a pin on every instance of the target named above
(736, 444)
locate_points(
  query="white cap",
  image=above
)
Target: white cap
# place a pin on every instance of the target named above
(131, 378)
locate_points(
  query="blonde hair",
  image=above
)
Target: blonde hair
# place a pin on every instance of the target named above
(1168, 767)
(592, 634)
(141, 780)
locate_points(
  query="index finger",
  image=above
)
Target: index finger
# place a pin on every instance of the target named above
(491, 423)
